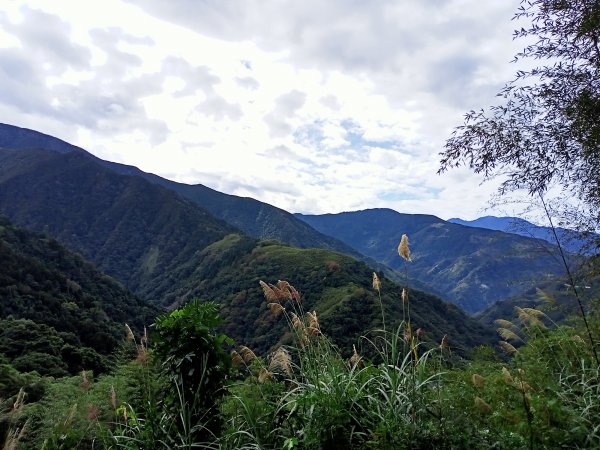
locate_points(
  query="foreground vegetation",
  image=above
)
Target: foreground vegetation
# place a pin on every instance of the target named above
(193, 388)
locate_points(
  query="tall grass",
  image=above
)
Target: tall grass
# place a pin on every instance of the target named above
(541, 391)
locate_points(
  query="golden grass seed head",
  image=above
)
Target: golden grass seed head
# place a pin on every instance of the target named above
(477, 380)
(546, 297)
(275, 308)
(507, 347)
(526, 316)
(264, 375)
(18, 404)
(295, 294)
(536, 313)
(93, 412)
(355, 359)
(403, 248)
(507, 324)
(445, 343)
(142, 356)
(85, 382)
(281, 361)
(13, 437)
(268, 292)
(509, 335)
(144, 338)
(283, 285)
(113, 397)
(130, 335)
(408, 333)
(506, 376)
(376, 282)
(296, 322)
(313, 331)
(313, 321)
(482, 406)
(404, 296)
(236, 359)
(247, 354)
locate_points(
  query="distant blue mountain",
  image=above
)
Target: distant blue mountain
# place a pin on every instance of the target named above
(570, 240)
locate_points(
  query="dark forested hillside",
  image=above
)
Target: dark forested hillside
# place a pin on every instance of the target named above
(139, 232)
(58, 313)
(168, 250)
(472, 267)
(251, 216)
(23, 138)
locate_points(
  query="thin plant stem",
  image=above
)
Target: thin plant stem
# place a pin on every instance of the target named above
(570, 279)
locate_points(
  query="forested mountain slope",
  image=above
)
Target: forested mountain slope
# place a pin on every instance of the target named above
(472, 267)
(168, 250)
(138, 232)
(58, 313)
(251, 216)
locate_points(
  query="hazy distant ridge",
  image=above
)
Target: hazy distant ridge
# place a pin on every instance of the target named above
(571, 241)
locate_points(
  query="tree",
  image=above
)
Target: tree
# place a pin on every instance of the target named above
(546, 130)
(196, 366)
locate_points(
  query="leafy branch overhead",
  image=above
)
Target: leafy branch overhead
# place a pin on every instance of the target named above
(545, 131)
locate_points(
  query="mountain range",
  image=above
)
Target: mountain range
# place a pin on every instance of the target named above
(572, 241)
(472, 267)
(167, 249)
(169, 242)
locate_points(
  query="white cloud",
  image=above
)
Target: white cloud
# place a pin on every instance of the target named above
(311, 106)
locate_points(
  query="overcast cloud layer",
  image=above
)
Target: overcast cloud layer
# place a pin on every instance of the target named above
(311, 106)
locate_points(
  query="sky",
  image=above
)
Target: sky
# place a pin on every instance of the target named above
(312, 106)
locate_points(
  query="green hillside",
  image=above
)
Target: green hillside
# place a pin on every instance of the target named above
(138, 232)
(472, 267)
(168, 250)
(253, 217)
(338, 287)
(58, 313)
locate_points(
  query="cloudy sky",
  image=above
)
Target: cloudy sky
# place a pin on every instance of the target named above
(313, 106)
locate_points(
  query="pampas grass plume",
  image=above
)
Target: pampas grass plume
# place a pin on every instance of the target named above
(281, 360)
(404, 295)
(275, 308)
(376, 282)
(508, 347)
(482, 406)
(478, 380)
(247, 354)
(403, 248)
(509, 335)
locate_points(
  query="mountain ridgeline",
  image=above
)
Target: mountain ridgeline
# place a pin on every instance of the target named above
(131, 224)
(138, 232)
(571, 241)
(168, 250)
(255, 218)
(472, 267)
